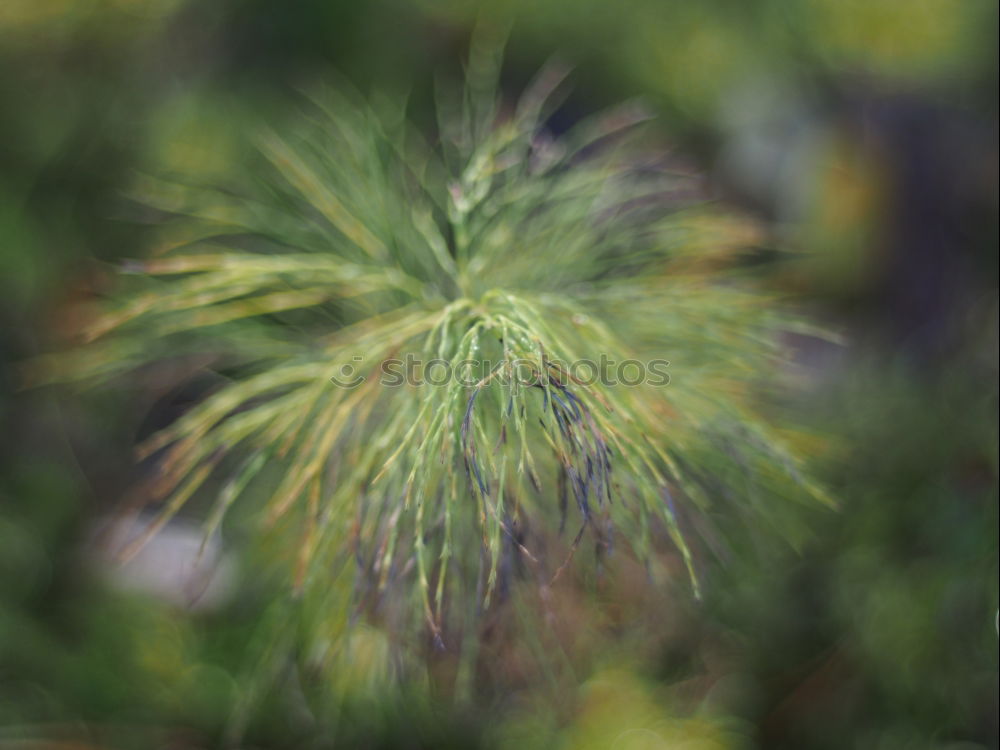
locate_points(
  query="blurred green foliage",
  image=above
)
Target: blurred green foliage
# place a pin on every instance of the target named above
(864, 132)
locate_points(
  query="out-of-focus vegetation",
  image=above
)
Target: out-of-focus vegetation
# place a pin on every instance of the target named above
(863, 134)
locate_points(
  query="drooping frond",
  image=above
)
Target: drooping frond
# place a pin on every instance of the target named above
(451, 355)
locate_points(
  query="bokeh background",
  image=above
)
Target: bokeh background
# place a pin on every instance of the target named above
(861, 135)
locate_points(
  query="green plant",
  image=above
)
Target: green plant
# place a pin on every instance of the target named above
(356, 243)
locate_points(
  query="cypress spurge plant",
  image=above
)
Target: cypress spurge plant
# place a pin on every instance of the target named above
(498, 259)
